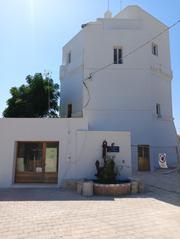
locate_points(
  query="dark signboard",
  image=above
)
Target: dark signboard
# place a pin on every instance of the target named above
(113, 149)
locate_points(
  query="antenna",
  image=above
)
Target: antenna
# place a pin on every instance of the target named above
(120, 4)
(108, 6)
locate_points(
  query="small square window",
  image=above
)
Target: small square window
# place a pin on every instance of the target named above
(118, 56)
(154, 49)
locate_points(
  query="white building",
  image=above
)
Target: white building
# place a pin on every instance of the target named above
(127, 103)
(133, 93)
(52, 151)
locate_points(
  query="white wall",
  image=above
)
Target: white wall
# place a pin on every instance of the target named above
(72, 75)
(78, 147)
(72, 92)
(13, 130)
(89, 149)
(124, 97)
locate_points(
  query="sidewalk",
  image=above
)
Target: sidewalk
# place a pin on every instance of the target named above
(57, 213)
(164, 179)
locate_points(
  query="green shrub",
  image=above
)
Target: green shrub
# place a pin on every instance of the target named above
(108, 172)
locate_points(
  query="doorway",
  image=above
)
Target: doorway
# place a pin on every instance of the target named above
(37, 162)
(143, 158)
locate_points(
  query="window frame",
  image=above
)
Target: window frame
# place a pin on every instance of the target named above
(158, 110)
(117, 55)
(155, 49)
(30, 175)
(69, 57)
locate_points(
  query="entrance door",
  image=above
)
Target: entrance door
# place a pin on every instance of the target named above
(37, 162)
(143, 158)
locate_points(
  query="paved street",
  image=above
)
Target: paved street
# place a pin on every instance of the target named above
(54, 213)
(166, 179)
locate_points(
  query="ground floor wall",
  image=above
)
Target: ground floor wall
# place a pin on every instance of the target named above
(155, 152)
(88, 149)
(78, 147)
(146, 129)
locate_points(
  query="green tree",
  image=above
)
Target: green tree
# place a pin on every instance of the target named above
(38, 98)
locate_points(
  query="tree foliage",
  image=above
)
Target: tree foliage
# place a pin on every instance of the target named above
(38, 98)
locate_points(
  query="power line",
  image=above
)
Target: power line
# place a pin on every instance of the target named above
(89, 96)
(139, 47)
(125, 56)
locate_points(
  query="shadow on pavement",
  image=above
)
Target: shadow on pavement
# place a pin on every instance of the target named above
(59, 194)
(45, 194)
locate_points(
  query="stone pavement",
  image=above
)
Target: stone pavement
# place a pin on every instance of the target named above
(57, 213)
(165, 179)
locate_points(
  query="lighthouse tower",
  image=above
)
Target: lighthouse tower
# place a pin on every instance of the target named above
(110, 77)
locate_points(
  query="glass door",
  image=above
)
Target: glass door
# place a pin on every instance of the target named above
(51, 158)
(51, 151)
(37, 162)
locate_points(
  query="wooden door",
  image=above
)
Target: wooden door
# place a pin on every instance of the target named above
(143, 158)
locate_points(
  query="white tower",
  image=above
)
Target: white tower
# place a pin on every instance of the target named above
(133, 93)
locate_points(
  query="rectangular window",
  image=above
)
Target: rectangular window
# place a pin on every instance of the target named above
(69, 113)
(158, 110)
(69, 58)
(37, 162)
(115, 56)
(154, 49)
(118, 56)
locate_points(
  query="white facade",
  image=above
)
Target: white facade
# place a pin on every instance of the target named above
(123, 97)
(78, 148)
(127, 104)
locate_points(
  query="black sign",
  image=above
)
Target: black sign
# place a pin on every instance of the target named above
(113, 149)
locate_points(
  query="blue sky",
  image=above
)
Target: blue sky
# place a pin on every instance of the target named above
(32, 33)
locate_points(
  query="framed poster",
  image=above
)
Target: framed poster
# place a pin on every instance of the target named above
(51, 160)
(163, 160)
(20, 164)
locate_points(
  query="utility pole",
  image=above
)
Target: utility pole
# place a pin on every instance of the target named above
(47, 75)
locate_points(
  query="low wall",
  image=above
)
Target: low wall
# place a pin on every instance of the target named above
(78, 147)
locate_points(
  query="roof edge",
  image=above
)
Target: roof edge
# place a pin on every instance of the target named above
(141, 9)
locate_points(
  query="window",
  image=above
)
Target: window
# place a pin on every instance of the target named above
(37, 162)
(158, 110)
(69, 113)
(118, 56)
(69, 58)
(154, 49)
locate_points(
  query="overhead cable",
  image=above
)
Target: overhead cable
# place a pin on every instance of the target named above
(139, 47)
(125, 56)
